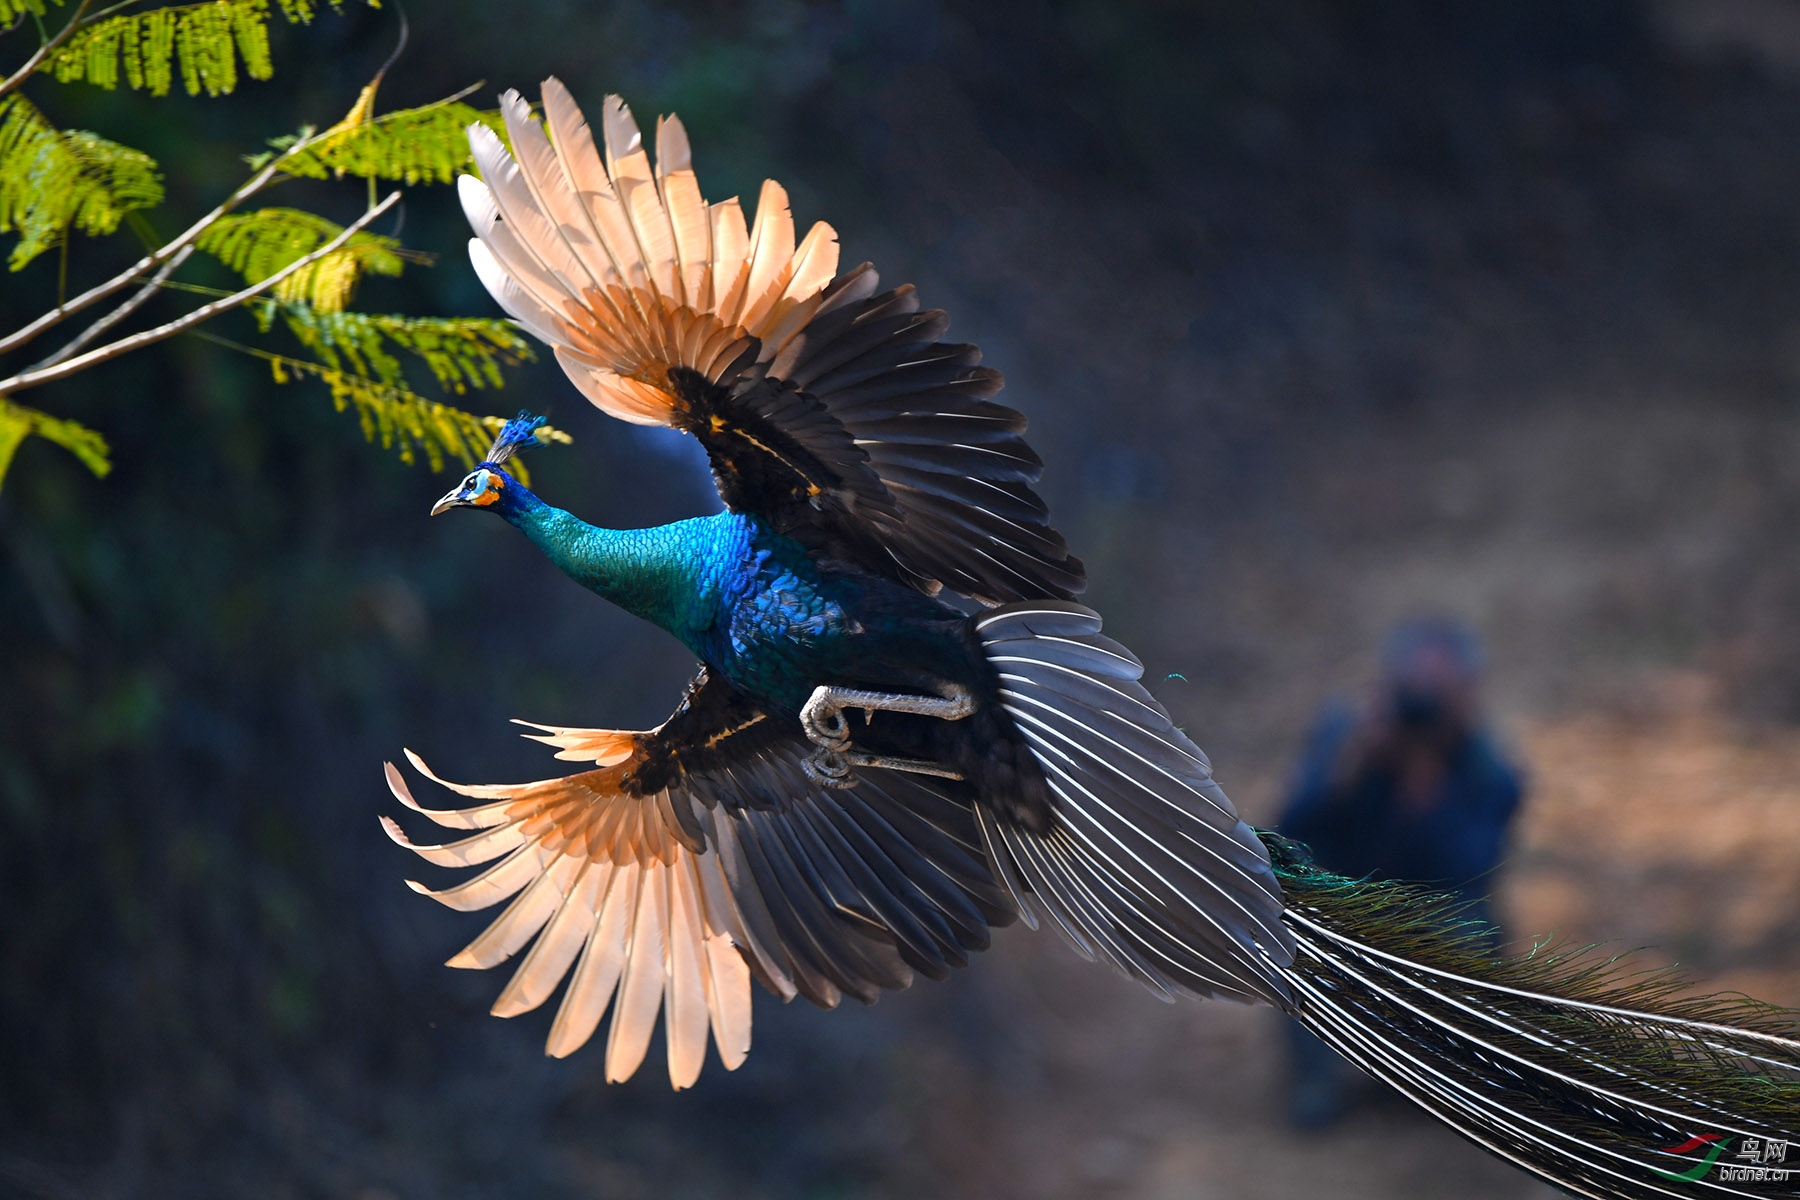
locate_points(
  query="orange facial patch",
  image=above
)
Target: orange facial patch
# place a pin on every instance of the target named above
(490, 493)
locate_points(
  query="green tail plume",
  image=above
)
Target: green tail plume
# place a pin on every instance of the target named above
(1604, 1080)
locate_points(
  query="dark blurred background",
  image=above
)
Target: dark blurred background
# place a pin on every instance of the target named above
(1325, 313)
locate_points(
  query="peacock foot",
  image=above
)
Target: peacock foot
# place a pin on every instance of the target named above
(822, 718)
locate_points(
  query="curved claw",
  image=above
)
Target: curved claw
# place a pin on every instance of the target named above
(824, 722)
(827, 768)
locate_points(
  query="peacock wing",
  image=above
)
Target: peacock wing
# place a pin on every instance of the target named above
(693, 857)
(827, 406)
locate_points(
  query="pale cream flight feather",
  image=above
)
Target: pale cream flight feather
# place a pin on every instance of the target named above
(624, 269)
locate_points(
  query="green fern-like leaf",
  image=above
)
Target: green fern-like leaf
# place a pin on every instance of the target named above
(18, 423)
(400, 419)
(301, 12)
(53, 180)
(258, 244)
(206, 43)
(429, 144)
(12, 10)
(460, 352)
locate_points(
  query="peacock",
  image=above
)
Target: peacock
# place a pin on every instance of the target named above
(906, 731)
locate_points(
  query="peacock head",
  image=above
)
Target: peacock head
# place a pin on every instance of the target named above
(489, 485)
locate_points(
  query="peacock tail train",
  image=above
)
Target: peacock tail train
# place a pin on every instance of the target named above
(1605, 1080)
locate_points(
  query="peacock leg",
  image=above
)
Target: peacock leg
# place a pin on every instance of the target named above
(822, 717)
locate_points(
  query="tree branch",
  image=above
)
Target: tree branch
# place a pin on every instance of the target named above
(45, 51)
(118, 314)
(157, 257)
(50, 374)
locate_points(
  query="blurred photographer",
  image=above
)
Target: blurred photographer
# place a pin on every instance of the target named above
(1413, 787)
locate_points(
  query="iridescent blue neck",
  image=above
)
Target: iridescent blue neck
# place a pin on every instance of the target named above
(661, 574)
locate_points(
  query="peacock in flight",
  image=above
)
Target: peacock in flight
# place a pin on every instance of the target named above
(905, 731)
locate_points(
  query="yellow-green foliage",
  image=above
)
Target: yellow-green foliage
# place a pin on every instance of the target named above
(460, 352)
(358, 361)
(410, 145)
(206, 41)
(358, 353)
(52, 180)
(403, 420)
(18, 423)
(258, 244)
(13, 10)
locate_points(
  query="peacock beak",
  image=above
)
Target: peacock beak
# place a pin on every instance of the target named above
(456, 497)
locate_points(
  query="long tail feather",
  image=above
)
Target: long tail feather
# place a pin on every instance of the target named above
(1603, 1081)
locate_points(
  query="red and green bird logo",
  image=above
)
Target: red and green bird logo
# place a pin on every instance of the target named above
(1714, 1144)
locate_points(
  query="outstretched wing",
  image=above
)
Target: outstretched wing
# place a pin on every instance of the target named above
(827, 406)
(694, 856)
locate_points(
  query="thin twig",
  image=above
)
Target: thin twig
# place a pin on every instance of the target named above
(157, 257)
(32, 378)
(121, 6)
(195, 289)
(397, 392)
(118, 314)
(45, 51)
